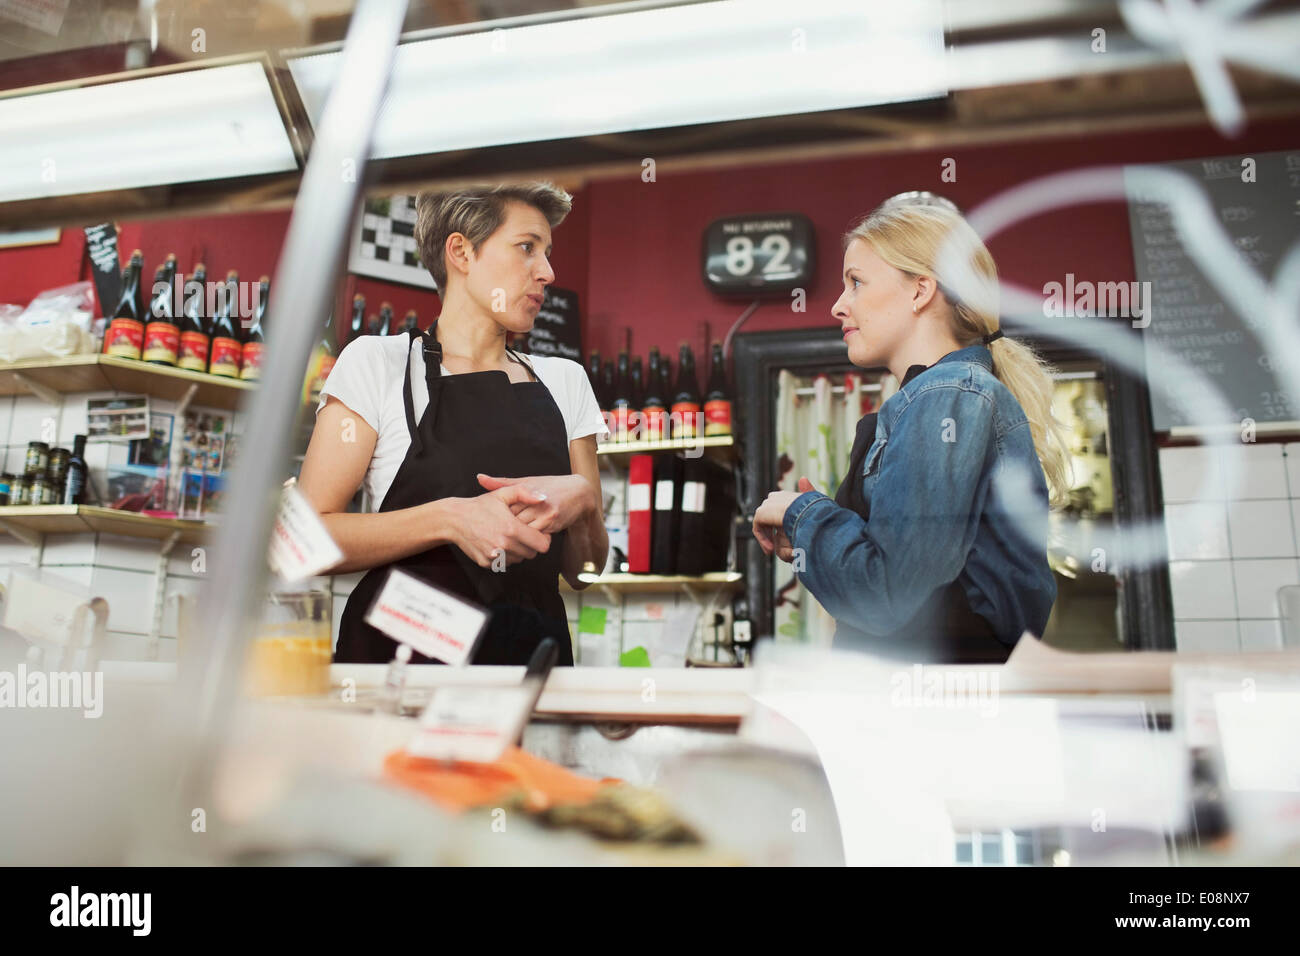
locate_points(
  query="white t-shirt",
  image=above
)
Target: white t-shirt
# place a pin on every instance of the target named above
(368, 378)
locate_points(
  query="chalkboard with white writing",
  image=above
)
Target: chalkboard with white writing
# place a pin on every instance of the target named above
(1256, 201)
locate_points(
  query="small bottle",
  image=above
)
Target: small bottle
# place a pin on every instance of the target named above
(395, 679)
(358, 326)
(227, 352)
(125, 334)
(74, 489)
(162, 335)
(717, 401)
(686, 397)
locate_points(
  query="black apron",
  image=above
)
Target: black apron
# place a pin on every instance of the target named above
(477, 422)
(945, 630)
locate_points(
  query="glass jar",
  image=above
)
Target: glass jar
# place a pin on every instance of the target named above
(290, 654)
(39, 490)
(38, 458)
(58, 471)
(21, 491)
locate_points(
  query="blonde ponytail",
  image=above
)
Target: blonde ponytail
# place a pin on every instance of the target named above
(911, 237)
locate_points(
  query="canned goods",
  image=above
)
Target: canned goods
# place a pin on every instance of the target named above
(21, 492)
(59, 467)
(6, 487)
(41, 493)
(38, 458)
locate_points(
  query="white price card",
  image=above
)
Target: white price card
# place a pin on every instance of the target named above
(472, 723)
(435, 622)
(300, 545)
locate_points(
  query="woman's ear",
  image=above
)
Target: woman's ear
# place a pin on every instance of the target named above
(923, 293)
(457, 253)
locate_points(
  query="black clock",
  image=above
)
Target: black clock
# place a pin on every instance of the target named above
(758, 254)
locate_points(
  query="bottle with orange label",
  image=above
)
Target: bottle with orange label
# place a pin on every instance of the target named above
(194, 341)
(227, 351)
(125, 333)
(321, 363)
(251, 370)
(654, 414)
(686, 397)
(162, 335)
(717, 401)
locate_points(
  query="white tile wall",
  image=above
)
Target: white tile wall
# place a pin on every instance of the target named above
(1233, 541)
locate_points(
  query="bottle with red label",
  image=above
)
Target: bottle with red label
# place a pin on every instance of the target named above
(686, 397)
(226, 350)
(654, 411)
(125, 333)
(717, 400)
(162, 335)
(251, 370)
(194, 341)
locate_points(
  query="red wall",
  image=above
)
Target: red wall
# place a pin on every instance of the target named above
(631, 249)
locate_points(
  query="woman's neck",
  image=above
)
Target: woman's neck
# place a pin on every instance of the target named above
(467, 334)
(925, 347)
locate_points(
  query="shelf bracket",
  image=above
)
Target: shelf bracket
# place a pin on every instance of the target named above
(43, 392)
(183, 405)
(160, 591)
(30, 538)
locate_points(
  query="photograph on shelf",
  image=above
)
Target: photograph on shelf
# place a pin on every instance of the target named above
(202, 493)
(117, 419)
(204, 441)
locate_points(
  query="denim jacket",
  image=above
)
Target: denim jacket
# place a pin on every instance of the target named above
(956, 493)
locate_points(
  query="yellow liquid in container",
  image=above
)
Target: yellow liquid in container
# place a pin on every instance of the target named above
(282, 663)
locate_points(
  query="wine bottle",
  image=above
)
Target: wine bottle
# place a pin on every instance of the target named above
(635, 393)
(621, 405)
(322, 363)
(606, 395)
(357, 328)
(380, 324)
(226, 350)
(74, 486)
(686, 397)
(161, 334)
(194, 339)
(653, 408)
(410, 323)
(717, 400)
(254, 338)
(125, 333)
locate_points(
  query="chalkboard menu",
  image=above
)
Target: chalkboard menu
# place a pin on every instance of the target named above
(1259, 208)
(556, 330)
(101, 251)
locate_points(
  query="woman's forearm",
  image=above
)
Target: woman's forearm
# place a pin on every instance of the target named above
(586, 542)
(370, 540)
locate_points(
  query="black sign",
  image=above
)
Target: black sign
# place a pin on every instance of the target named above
(557, 330)
(1258, 205)
(106, 268)
(758, 254)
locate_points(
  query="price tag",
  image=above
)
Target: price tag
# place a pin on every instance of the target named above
(433, 621)
(300, 545)
(472, 723)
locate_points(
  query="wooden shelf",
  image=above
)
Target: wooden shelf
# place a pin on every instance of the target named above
(719, 446)
(99, 373)
(83, 519)
(731, 580)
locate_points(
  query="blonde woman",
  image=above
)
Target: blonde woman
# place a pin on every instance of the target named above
(934, 549)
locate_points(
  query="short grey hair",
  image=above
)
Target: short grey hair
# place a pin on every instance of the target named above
(476, 212)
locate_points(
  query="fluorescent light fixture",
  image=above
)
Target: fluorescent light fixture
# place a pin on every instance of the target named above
(191, 126)
(673, 66)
